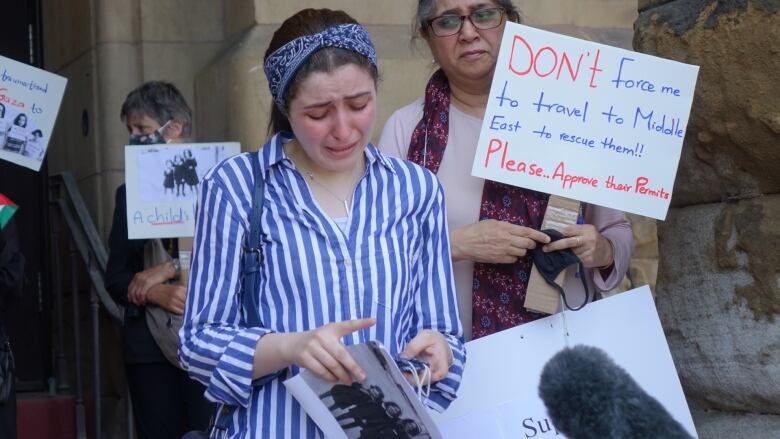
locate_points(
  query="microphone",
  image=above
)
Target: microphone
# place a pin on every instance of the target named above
(588, 395)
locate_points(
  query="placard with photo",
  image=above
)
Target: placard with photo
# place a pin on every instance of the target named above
(162, 186)
(30, 99)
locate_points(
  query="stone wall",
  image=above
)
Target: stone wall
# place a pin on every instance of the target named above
(718, 284)
(106, 48)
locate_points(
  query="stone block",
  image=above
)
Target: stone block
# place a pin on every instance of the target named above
(179, 63)
(587, 13)
(367, 12)
(119, 70)
(231, 92)
(730, 150)
(68, 31)
(723, 425)
(647, 4)
(116, 21)
(69, 150)
(239, 16)
(645, 236)
(403, 81)
(643, 272)
(718, 297)
(176, 21)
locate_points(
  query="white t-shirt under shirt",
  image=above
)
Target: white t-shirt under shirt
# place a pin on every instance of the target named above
(342, 223)
(463, 196)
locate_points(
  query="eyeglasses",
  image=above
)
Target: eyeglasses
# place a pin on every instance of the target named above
(451, 24)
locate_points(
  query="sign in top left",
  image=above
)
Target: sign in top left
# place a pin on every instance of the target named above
(29, 101)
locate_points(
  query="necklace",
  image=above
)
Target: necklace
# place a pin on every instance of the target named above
(327, 189)
(310, 174)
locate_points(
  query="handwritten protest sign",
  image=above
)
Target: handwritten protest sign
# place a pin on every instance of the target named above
(29, 101)
(162, 186)
(585, 121)
(499, 397)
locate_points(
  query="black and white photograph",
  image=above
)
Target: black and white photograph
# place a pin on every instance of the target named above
(383, 406)
(173, 173)
(19, 134)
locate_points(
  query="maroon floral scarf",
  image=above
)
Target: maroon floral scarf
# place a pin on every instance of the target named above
(499, 289)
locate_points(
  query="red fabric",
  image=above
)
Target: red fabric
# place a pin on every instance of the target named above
(5, 201)
(499, 289)
(41, 416)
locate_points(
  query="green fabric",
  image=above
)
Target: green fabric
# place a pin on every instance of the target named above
(6, 212)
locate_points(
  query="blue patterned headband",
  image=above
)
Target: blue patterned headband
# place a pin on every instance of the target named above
(282, 65)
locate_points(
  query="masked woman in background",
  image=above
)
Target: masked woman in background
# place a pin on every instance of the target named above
(166, 402)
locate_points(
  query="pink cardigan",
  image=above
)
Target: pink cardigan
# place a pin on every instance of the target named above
(463, 194)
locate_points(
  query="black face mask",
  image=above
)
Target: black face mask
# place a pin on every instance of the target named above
(153, 138)
(551, 264)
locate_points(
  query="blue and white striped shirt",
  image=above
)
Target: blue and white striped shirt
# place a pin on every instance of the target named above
(393, 263)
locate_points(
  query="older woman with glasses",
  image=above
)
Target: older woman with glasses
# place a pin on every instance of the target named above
(492, 226)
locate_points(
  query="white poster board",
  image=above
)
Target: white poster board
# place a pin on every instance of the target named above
(29, 101)
(498, 397)
(162, 186)
(585, 121)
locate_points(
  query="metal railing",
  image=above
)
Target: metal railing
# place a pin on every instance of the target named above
(84, 245)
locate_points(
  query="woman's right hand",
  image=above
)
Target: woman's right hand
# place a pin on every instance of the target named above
(322, 351)
(143, 281)
(494, 242)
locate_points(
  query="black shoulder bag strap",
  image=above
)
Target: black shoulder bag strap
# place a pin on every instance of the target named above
(253, 255)
(253, 258)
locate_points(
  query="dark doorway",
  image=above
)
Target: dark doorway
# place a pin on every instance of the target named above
(28, 321)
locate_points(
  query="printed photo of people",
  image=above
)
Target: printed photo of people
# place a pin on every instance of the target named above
(169, 173)
(378, 407)
(19, 135)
